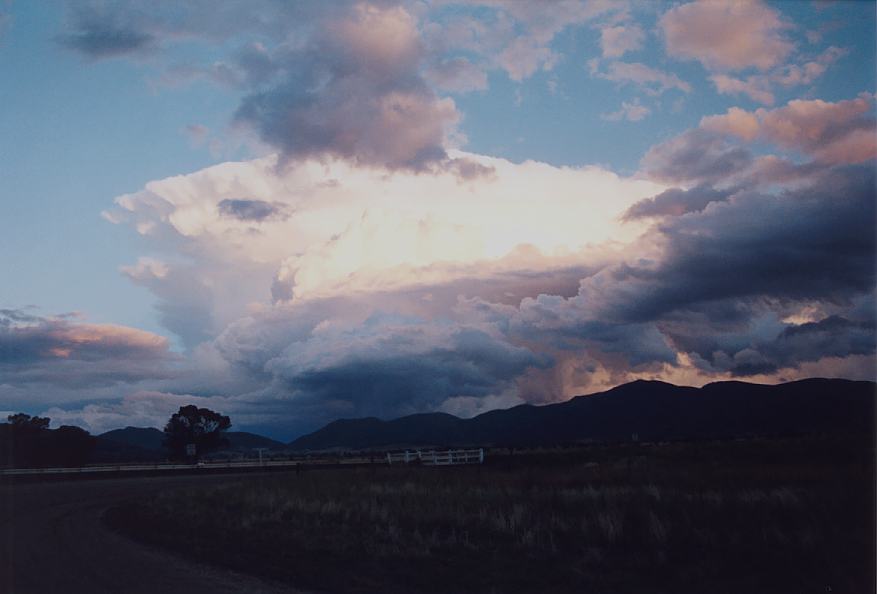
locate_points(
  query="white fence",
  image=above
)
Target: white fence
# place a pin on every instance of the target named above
(434, 458)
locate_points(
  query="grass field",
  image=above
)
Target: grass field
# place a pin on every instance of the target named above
(758, 516)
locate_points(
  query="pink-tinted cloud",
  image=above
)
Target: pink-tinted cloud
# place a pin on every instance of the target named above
(737, 122)
(64, 352)
(759, 87)
(355, 91)
(831, 133)
(650, 80)
(617, 41)
(756, 88)
(806, 73)
(727, 34)
(513, 36)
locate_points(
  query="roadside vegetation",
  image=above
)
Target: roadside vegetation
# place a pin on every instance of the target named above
(759, 516)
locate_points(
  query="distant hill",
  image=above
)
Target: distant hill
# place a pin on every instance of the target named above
(147, 438)
(650, 409)
(146, 443)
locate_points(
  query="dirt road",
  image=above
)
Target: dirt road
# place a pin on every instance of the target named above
(52, 540)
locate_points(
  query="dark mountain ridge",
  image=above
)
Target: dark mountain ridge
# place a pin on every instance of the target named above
(150, 439)
(651, 410)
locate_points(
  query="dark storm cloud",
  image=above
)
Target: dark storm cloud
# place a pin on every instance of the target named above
(396, 383)
(752, 351)
(813, 243)
(833, 336)
(253, 210)
(676, 202)
(386, 365)
(697, 156)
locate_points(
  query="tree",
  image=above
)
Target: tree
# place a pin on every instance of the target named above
(192, 425)
(27, 442)
(23, 422)
(70, 446)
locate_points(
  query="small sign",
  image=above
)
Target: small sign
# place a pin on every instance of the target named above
(190, 449)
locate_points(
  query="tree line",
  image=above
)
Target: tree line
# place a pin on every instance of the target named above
(27, 441)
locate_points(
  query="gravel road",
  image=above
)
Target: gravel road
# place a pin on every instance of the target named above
(53, 540)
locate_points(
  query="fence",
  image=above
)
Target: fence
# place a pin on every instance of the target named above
(434, 458)
(133, 468)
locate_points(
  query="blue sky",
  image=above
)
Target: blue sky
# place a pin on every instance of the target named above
(349, 123)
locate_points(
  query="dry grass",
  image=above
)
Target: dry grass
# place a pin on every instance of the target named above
(792, 516)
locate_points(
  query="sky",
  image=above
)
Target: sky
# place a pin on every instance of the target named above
(293, 212)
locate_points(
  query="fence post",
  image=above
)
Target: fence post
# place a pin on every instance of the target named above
(481, 455)
(389, 460)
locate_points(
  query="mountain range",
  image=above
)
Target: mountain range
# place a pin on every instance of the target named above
(643, 410)
(145, 443)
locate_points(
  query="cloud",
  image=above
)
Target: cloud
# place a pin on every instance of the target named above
(354, 90)
(252, 210)
(766, 345)
(756, 88)
(736, 122)
(632, 111)
(458, 75)
(467, 295)
(525, 44)
(145, 408)
(353, 229)
(98, 37)
(60, 351)
(651, 80)
(351, 80)
(812, 243)
(830, 133)
(696, 156)
(676, 202)
(804, 74)
(617, 41)
(388, 366)
(727, 34)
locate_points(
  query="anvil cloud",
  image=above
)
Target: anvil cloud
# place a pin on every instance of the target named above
(373, 246)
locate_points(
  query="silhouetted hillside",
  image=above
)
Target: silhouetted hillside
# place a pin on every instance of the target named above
(148, 440)
(650, 409)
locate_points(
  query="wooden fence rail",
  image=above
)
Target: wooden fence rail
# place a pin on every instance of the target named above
(437, 458)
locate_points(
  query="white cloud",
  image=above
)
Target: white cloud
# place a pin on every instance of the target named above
(351, 228)
(632, 111)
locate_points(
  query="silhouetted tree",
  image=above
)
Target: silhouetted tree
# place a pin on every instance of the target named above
(28, 442)
(23, 422)
(70, 446)
(26, 446)
(192, 425)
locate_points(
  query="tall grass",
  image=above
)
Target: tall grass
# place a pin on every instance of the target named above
(685, 518)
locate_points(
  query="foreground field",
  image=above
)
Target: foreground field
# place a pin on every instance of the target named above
(765, 516)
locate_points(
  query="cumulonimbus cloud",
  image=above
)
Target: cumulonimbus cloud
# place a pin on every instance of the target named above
(371, 269)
